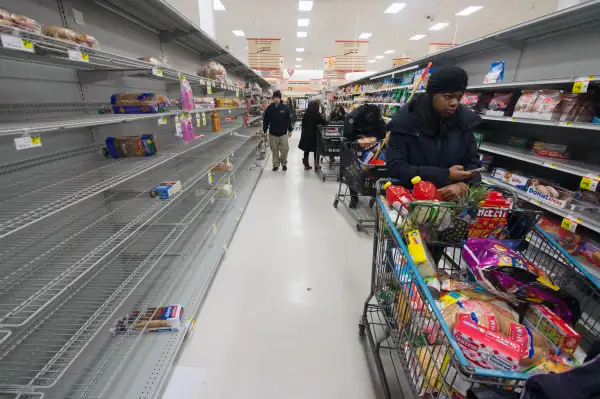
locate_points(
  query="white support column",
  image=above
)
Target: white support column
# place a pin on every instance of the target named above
(207, 18)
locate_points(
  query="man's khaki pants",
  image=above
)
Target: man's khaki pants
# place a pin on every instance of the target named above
(279, 148)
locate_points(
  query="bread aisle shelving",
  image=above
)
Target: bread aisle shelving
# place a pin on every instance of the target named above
(83, 240)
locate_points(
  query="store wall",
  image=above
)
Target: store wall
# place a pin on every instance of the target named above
(187, 8)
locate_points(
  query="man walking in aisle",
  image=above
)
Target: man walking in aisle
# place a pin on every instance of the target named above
(278, 121)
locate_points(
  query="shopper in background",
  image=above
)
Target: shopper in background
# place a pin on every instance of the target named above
(364, 124)
(338, 114)
(311, 121)
(292, 107)
(432, 137)
(278, 121)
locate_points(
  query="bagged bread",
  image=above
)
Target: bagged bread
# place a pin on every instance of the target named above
(19, 21)
(59, 32)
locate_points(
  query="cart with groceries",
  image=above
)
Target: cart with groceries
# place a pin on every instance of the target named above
(470, 298)
(360, 169)
(328, 149)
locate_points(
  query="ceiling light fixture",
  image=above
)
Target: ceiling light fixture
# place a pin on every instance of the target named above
(298, 59)
(371, 61)
(301, 34)
(302, 22)
(378, 57)
(238, 32)
(389, 51)
(439, 26)
(468, 11)
(365, 35)
(218, 6)
(304, 5)
(300, 50)
(417, 37)
(394, 8)
(298, 66)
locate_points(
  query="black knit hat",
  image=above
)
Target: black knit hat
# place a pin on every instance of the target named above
(276, 93)
(448, 80)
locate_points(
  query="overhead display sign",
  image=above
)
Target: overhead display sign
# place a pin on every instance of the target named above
(351, 55)
(329, 71)
(401, 61)
(264, 54)
(436, 47)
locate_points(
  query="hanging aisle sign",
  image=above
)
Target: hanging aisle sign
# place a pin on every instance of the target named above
(351, 55)
(437, 47)
(401, 61)
(329, 71)
(264, 54)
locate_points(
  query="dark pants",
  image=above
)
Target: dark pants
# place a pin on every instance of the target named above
(305, 159)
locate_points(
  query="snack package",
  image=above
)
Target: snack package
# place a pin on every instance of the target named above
(167, 318)
(161, 61)
(591, 251)
(470, 100)
(166, 190)
(519, 142)
(525, 105)
(492, 217)
(131, 146)
(19, 21)
(571, 242)
(80, 39)
(550, 364)
(186, 94)
(567, 103)
(486, 348)
(584, 111)
(214, 71)
(507, 274)
(559, 333)
(496, 73)
(550, 193)
(138, 103)
(511, 178)
(499, 103)
(483, 103)
(546, 104)
(539, 145)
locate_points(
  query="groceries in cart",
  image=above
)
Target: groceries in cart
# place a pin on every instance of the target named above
(166, 318)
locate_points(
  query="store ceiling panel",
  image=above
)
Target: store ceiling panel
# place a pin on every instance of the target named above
(331, 20)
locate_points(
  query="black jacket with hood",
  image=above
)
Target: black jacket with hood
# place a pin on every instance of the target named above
(357, 126)
(422, 143)
(277, 120)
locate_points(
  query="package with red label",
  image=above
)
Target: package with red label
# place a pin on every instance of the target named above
(492, 216)
(546, 104)
(499, 104)
(560, 334)
(550, 193)
(486, 348)
(591, 251)
(525, 104)
(470, 100)
(569, 241)
(567, 104)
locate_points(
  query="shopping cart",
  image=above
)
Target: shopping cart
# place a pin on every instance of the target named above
(357, 180)
(401, 318)
(328, 148)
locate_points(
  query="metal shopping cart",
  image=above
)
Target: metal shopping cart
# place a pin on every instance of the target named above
(357, 180)
(328, 148)
(402, 321)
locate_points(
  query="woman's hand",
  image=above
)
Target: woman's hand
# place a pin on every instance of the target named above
(453, 191)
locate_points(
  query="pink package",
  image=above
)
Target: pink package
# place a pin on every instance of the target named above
(187, 96)
(187, 128)
(486, 348)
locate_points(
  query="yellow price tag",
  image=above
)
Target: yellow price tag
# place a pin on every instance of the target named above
(210, 178)
(513, 119)
(28, 44)
(568, 123)
(567, 224)
(215, 228)
(553, 165)
(209, 89)
(237, 93)
(35, 140)
(85, 56)
(581, 86)
(588, 183)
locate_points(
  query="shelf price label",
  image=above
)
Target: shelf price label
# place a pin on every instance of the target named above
(589, 183)
(208, 88)
(16, 43)
(203, 119)
(76, 55)
(230, 110)
(237, 93)
(210, 178)
(162, 121)
(157, 72)
(198, 120)
(570, 223)
(581, 84)
(27, 142)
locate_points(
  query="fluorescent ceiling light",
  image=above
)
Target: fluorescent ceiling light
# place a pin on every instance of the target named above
(302, 22)
(389, 51)
(439, 26)
(238, 33)
(298, 59)
(299, 66)
(305, 5)
(371, 61)
(365, 35)
(301, 34)
(394, 8)
(378, 57)
(300, 50)
(468, 11)
(417, 37)
(246, 48)
(218, 6)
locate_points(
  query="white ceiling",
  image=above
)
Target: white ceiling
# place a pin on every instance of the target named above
(332, 20)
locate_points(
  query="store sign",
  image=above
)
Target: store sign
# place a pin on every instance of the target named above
(396, 62)
(351, 55)
(329, 71)
(264, 54)
(437, 47)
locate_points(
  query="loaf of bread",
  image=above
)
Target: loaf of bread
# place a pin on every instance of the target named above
(80, 39)
(19, 21)
(138, 103)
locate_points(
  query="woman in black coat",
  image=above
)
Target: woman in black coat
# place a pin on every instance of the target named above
(310, 131)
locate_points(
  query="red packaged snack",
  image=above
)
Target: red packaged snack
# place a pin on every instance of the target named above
(568, 102)
(525, 105)
(470, 100)
(499, 104)
(561, 335)
(570, 242)
(546, 103)
(492, 216)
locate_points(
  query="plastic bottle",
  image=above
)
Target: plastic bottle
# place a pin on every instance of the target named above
(424, 190)
(216, 122)
(398, 197)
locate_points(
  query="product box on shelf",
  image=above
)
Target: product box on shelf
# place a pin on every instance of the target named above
(525, 104)
(567, 104)
(131, 146)
(499, 104)
(514, 179)
(550, 193)
(583, 206)
(519, 142)
(566, 239)
(166, 318)
(591, 251)
(546, 104)
(166, 190)
(561, 335)
(541, 146)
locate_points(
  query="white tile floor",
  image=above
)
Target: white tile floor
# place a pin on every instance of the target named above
(280, 320)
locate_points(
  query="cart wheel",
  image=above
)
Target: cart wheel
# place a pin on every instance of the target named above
(335, 203)
(371, 202)
(358, 227)
(361, 329)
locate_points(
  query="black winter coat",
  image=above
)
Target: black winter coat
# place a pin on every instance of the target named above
(355, 126)
(428, 147)
(277, 119)
(310, 131)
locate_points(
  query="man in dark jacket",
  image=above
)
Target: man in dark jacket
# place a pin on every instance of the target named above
(278, 121)
(432, 137)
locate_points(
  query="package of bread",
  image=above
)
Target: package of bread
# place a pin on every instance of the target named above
(80, 39)
(19, 21)
(546, 103)
(214, 71)
(138, 103)
(525, 104)
(567, 103)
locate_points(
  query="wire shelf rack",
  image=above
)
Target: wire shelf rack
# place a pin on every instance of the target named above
(138, 274)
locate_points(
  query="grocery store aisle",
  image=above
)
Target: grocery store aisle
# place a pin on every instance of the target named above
(280, 320)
